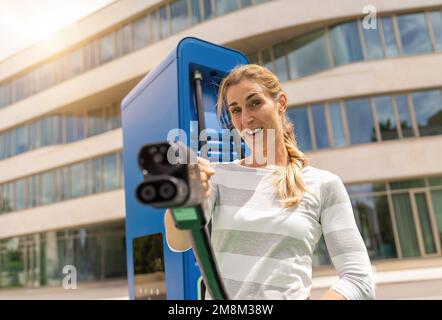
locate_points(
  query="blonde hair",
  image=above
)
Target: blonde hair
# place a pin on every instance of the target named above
(289, 184)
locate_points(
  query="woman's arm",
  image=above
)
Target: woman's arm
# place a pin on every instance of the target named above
(344, 244)
(180, 240)
(331, 294)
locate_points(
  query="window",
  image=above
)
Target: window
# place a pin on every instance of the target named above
(308, 55)
(62, 67)
(20, 195)
(75, 62)
(47, 194)
(70, 128)
(110, 177)
(91, 58)
(6, 93)
(123, 40)
(78, 180)
(320, 126)
(225, 6)
(47, 132)
(57, 123)
(113, 117)
(94, 174)
(155, 25)
(436, 196)
(2, 146)
(345, 43)
(386, 118)
(428, 110)
(337, 124)
(164, 22)
(3, 102)
(33, 189)
(179, 13)
(21, 143)
(404, 116)
(360, 121)
(267, 59)
(19, 89)
(246, 3)
(7, 140)
(35, 135)
(140, 33)
(373, 219)
(414, 34)
(436, 25)
(373, 44)
(424, 219)
(389, 37)
(196, 12)
(299, 117)
(281, 62)
(96, 122)
(208, 10)
(79, 125)
(106, 44)
(66, 173)
(59, 182)
(46, 76)
(253, 58)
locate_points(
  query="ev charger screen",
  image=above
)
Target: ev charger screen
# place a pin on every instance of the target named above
(149, 275)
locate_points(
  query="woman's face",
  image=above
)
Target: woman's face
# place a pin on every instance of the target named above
(254, 112)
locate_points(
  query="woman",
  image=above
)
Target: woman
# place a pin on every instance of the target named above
(270, 209)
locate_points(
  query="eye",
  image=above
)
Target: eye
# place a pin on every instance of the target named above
(255, 103)
(235, 110)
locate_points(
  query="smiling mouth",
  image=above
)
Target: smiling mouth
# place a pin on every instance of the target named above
(252, 132)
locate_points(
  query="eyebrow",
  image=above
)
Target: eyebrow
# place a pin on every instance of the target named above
(250, 96)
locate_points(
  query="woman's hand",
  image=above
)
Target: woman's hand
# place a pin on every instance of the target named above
(206, 172)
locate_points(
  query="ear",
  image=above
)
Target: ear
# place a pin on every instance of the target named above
(282, 102)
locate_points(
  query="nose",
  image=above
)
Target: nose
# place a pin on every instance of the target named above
(247, 118)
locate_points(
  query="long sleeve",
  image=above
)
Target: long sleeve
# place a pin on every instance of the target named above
(344, 242)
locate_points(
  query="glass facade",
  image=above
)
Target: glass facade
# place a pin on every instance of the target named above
(428, 111)
(97, 252)
(414, 33)
(397, 219)
(58, 129)
(153, 26)
(347, 42)
(72, 181)
(346, 122)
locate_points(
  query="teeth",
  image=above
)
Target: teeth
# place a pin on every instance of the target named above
(254, 131)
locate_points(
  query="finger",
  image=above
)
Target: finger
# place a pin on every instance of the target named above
(206, 169)
(203, 176)
(203, 161)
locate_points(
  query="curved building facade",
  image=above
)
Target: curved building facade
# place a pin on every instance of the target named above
(366, 103)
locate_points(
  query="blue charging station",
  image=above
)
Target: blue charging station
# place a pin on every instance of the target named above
(162, 101)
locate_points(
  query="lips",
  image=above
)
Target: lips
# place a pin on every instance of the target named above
(252, 132)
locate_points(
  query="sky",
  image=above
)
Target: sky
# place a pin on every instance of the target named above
(25, 22)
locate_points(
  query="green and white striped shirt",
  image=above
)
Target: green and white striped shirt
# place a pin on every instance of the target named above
(264, 251)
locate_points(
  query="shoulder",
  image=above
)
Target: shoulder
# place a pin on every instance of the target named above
(330, 186)
(320, 176)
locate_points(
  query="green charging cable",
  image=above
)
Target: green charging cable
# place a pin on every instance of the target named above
(193, 219)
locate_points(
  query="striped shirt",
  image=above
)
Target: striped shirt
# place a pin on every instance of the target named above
(264, 251)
